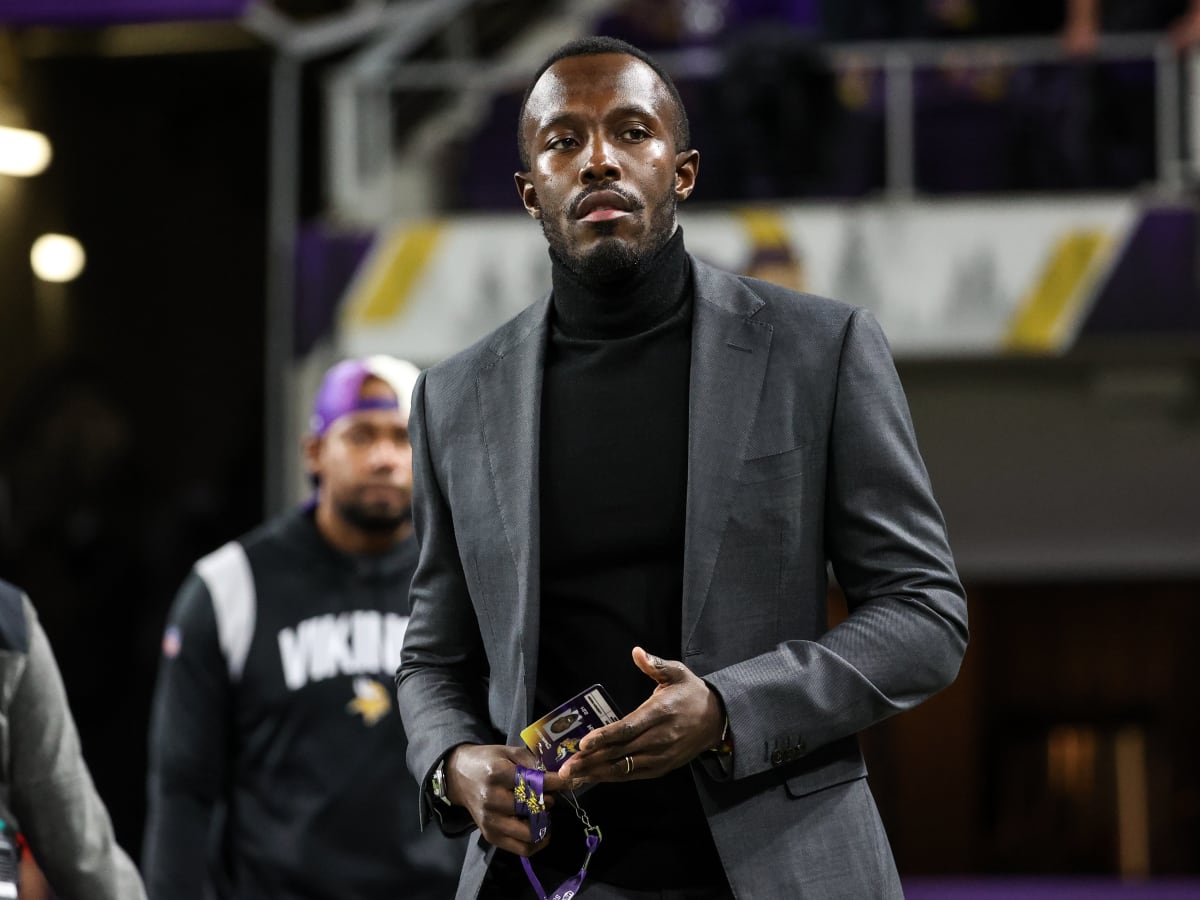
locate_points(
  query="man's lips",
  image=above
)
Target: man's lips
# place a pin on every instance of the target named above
(603, 214)
(600, 206)
(376, 488)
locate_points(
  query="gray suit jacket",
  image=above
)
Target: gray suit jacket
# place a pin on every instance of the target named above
(801, 452)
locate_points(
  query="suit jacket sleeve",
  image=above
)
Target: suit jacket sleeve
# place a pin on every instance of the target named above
(440, 685)
(53, 796)
(885, 537)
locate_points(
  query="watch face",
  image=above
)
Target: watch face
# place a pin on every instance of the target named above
(438, 783)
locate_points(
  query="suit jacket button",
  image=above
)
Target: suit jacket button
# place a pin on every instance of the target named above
(777, 758)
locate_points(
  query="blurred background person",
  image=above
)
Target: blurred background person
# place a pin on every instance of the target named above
(1085, 20)
(777, 263)
(781, 92)
(273, 728)
(46, 791)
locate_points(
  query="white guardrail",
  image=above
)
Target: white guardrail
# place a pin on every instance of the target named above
(364, 134)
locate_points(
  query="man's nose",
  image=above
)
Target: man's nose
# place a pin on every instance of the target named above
(600, 164)
(387, 455)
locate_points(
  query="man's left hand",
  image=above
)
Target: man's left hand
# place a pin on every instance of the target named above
(682, 718)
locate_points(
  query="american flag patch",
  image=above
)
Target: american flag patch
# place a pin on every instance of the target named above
(172, 642)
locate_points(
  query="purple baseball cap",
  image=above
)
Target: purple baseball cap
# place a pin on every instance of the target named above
(342, 384)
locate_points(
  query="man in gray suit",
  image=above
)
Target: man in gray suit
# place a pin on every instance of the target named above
(659, 459)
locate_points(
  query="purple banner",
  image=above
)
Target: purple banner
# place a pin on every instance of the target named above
(1153, 288)
(105, 12)
(326, 262)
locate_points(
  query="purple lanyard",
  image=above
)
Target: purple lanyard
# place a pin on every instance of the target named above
(531, 801)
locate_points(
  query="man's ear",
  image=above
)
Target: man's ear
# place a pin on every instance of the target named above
(310, 448)
(529, 197)
(687, 167)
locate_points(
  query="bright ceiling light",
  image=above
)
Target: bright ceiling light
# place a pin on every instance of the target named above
(57, 257)
(23, 152)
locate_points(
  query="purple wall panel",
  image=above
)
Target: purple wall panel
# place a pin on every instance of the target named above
(326, 263)
(1154, 289)
(103, 12)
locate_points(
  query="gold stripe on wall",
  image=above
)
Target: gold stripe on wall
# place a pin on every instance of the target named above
(387, 284)
(1045, 319)
(765, 226)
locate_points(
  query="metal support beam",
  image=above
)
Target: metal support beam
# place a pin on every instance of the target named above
(280, 463)
(1166, 101)
(899, 125)
(325, 35)
(1191, 114)
(294, 44)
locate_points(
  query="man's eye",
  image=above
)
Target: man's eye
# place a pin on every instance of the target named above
(562, 143)
(635, 134)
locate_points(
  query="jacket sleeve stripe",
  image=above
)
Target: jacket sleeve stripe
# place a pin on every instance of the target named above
(230, 582)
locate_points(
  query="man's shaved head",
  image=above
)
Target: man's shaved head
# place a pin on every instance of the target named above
(594, 46)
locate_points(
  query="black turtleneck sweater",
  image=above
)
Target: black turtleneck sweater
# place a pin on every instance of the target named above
(613, 486)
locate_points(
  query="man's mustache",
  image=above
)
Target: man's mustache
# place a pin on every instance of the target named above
(634, 203)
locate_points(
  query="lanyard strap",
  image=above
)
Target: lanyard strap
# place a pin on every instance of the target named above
(530, 801)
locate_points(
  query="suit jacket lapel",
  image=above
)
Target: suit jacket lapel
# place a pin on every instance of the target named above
(729, 363)
(510, 393)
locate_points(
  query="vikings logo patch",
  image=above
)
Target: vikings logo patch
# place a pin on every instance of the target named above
(371, 700)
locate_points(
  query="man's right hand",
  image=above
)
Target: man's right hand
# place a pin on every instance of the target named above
(480, 777)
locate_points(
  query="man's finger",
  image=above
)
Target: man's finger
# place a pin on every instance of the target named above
(663, 671)
(516, 845)
(502, 802)
(620, 732)
(585, 769)
(509, 832)
(630, 767)
(523, 756)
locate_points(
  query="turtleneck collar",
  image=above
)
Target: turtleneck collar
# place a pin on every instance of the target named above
(649, 296)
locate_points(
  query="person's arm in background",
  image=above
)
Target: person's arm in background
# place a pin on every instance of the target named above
(55, 802)
(1185, 31)
(188, 763)
(1081, 27)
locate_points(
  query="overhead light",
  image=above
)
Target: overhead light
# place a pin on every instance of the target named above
(23, 152)
(57, 257)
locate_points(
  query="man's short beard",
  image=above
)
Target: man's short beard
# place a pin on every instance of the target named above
(613, 261)
(370, 521)
(610, 262)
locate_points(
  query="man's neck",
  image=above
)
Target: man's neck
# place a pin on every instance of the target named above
(588, 309)
(347, 538)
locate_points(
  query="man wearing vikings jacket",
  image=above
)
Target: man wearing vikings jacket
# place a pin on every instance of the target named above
(277, 766)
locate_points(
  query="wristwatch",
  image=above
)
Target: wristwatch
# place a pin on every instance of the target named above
(437, 783)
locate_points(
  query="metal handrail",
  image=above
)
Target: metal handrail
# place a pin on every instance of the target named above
(702, 61)
(708, 61)
(899, 60)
